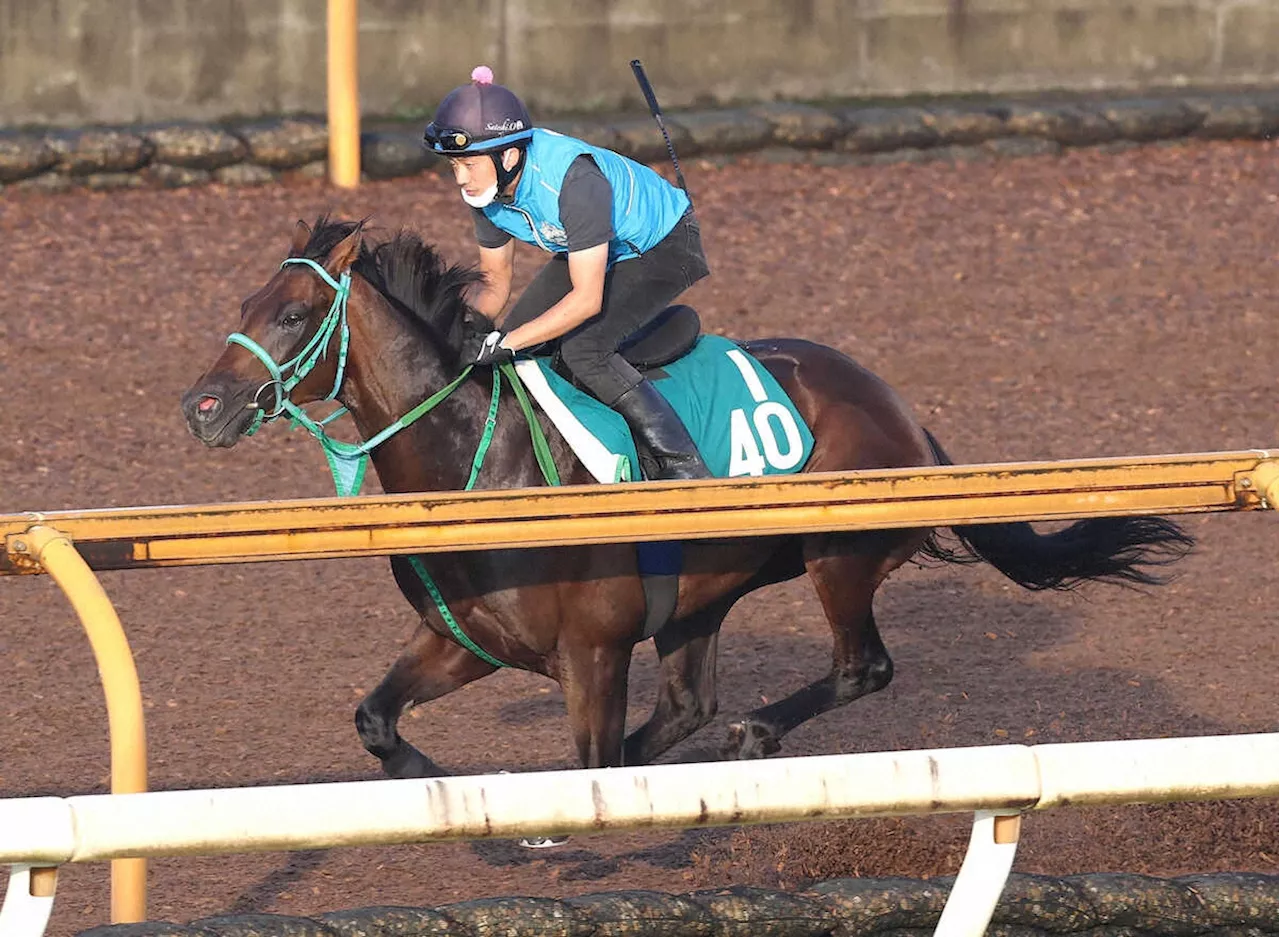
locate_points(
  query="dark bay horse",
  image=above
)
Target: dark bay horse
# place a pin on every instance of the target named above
(575, 613)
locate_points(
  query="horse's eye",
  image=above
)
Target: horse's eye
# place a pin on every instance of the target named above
(292, 320)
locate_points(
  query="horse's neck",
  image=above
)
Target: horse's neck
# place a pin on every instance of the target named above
(390, 370)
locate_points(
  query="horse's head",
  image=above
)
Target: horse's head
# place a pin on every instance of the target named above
(288, 344)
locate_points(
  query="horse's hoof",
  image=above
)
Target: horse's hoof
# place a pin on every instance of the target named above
(408, 762)
(543, 842)
(749, 740)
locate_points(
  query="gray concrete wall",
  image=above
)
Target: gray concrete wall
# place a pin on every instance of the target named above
(122, 61)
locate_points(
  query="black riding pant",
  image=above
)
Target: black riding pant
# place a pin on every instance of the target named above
(635, 291)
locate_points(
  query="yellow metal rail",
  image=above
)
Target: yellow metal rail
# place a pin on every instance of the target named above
(54, 553)
(437, 522)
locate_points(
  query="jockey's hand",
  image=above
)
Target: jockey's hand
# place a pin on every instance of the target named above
(488, 351)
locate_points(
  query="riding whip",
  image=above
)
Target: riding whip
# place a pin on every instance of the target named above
(647, 90)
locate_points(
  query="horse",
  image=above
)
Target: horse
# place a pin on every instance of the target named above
(575, 613)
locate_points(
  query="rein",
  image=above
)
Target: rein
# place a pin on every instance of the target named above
(348, 462)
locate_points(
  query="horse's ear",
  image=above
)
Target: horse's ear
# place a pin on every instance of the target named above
(301, 235)
(345, 252)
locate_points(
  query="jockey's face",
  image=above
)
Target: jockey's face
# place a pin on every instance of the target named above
(477, 177)
(474, 174)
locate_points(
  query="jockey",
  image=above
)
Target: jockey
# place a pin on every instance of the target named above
(624, 244)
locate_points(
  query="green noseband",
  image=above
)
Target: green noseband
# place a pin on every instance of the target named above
(301, 364)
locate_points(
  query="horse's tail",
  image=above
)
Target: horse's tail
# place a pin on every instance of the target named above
(1103, 549)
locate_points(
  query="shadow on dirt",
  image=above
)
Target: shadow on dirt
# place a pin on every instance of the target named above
(999, 666)
(264, 893)
(576, 863)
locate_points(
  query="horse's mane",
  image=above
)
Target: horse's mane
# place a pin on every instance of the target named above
(415, 278)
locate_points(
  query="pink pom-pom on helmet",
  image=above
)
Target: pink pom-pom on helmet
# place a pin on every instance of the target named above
(482, 75)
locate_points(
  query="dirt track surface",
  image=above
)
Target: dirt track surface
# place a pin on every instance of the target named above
(1096, 304)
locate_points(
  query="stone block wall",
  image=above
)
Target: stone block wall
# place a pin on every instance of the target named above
(77, 62)
(261, 151)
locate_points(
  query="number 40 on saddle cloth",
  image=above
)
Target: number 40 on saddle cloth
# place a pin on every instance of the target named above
(737, 413)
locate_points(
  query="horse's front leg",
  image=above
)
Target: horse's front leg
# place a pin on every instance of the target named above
(594, 680)
(429, 667)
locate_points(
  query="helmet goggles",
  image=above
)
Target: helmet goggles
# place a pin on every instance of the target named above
(452, 141)
(455, 141)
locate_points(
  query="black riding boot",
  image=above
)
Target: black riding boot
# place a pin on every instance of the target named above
(660, 433)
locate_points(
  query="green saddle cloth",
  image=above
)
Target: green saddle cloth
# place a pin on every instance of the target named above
(738, 415)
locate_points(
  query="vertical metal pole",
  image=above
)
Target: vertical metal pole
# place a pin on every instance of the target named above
(28, 901)
(982, 876)
(344, 97)
(52, 550)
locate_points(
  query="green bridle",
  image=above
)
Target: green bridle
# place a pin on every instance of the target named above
(347, 462)
(301, 364)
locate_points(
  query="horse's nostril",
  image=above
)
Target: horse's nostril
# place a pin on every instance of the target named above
(208, 406)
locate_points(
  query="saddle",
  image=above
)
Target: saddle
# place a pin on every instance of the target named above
(670, 335)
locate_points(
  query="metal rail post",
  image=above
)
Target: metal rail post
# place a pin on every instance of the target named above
(52, 550)
(982, 875)
(344, 99)
(28, 901)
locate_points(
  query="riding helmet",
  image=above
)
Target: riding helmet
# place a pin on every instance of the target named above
(479, 117)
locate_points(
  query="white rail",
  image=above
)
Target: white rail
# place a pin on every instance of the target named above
(997, 780)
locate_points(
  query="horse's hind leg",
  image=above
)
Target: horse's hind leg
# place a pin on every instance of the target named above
(846, 569)
(687, 684)
(429, 667)
(594, 681)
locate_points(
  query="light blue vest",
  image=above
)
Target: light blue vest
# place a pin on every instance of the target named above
(645, 206)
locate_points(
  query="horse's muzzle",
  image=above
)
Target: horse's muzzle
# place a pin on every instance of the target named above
(217, 416)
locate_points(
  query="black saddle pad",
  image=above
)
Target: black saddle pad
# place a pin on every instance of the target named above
(671, 334)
